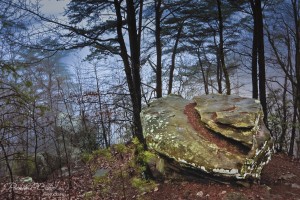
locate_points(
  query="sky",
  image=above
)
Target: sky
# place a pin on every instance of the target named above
(55, 7)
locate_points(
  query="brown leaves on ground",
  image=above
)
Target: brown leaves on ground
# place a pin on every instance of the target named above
(280, 180)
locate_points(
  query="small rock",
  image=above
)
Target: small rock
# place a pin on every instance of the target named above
(88, 194)
(268, 188)
(26, 180)
(235, 196)
(100, 173)
(184, 183)
(286, 176)
(223, 192)
(296, 186)
(200, 194)
(155, 189)
(243, 183)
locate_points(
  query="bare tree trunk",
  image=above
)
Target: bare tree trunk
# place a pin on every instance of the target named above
(284, 115)
(259, 32)
(9, 169)
(254, 52)
(221, 48)
(104, 134)
(158, 14)
(172, 67)
(295, 5)
(132, 68)
(140, 21)
(68, 159)
(205, 81)
(219, 67)
(293, 134)
(254, 61)
(36, 141)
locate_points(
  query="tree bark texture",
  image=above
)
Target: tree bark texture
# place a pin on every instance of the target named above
(219, 68)
(172, 67)
(221, 48)
(158, 49)
(132, 67)
(254, 61)
(296, 120)
(259, 38)
(295, 5)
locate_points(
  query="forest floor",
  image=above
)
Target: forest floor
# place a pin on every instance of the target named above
(112, 174)
(280, 180)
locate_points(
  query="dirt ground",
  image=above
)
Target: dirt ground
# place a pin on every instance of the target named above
(280, 180)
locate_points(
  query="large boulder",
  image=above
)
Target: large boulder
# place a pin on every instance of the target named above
(215, 135)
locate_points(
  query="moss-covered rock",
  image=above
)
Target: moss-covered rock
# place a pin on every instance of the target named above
(169, 134)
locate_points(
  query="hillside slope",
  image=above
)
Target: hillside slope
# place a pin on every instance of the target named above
(119, 179)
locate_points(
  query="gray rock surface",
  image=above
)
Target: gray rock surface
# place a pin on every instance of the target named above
(232, 116)
(169, 133)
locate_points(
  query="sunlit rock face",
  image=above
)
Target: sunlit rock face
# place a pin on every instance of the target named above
(230, 140)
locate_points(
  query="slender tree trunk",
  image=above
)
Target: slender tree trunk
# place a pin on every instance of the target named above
(219, 68)
(293, 134)
(36, 142)
(135, 68)
(158, 49)
(259, 38)
(104, 134)
(221, 48)
(254, 61)
(9, 169)
(67, 156)
(284, 117)
(140, 26)
(132, 69)
(294, 122)
(296, 86)
(295, 5)
(254, 52)
(205, 81)
(172, 67)
(27, 147)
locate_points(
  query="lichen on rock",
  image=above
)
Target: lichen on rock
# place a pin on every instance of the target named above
(169, 133)
(235, 117)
